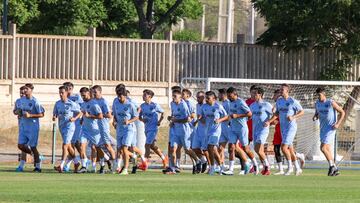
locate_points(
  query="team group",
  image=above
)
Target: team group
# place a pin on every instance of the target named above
(202, 131)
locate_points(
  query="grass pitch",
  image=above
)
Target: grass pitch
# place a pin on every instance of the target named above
(152, 186)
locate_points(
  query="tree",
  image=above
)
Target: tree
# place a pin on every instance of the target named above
(296, 24)
(156, 14)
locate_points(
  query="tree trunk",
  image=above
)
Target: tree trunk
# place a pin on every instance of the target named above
(349, 104)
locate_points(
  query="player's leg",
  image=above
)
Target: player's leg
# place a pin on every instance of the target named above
(221, 151)
(278, 158)
(211, 150)
(33, 142)
(93, 157)
(285, 150)
(244, 140)
(325, 149)
(126, 159)
(295, 161)
(259, 149)
(178, 157)
(157, 151)
(186, 143)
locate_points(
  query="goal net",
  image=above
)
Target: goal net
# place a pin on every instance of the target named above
(346, 144)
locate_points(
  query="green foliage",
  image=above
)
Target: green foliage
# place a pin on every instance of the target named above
(187, 35)
(296, 24)
(337, 71)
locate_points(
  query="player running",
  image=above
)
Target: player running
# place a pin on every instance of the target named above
(199, 144)
(75, 142)
(326, 112)
(212, 115)
(29, 110)
(288, 110)
(261, 112)
(90, 133)
(180, 118)
(125, 114)
(149, 114)
(104, 125)
(239, 113)
(67, 112)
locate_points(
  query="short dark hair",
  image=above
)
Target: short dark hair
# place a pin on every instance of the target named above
(252, 87)
(63, 87)
(68, 84)
(121, 85)
(210, 93)
(22, 87)
(176, 88)
(200, 92)
(121, 92)
(84, 89)
(149, 92)
(285, 85)
(29, 85)
(277, 91)
(222, 91)
(176, 92)
(187, 91)
(96, 87)
(320, 90)
(259, 90)
(231, 90)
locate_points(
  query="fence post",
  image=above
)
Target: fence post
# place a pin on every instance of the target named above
(13, 62)
(170, 66)
(92, 33)
(240, 44)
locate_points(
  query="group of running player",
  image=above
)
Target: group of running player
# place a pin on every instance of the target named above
(203, 130)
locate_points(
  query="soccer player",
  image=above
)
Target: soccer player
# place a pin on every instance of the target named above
(149, 114)
(90, 133)
(249, 101)
(277, 138)
(326, 112)
(261, 112)
(180, 118)
(213, 114)
(288, 110)
(67, 113)
(199, 144)
(239, 113)
(29, 111)
(186, 95)
(75, 142)
(20, 168)
(125, 114)
(104, 125)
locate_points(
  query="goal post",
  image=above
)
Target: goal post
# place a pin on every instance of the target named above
(307, 141)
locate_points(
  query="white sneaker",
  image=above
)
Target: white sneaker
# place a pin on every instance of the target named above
(228, 173)
(289, 172)
(298, 172)
(242, 173)
(279, 173)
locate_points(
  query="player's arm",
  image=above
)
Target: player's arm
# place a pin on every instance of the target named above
(272, 119)
(78, 115)
(316, 116)
(248, 115)
(181, 120)
(161, 118)
(37, 115)
(223, 116)
(135, 113)
(296, 116)
(127, 122)
(341, 115)
(98, 116)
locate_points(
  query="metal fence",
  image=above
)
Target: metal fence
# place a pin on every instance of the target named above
(110, 59)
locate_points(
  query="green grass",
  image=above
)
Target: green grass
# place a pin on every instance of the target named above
(152, 186)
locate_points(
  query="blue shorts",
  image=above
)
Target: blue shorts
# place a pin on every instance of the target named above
(125, 136)
(151, 136)
(213, 140)
(288, 138)
(67, 134)
(242, 135)
(327, 137)
(224, 137)
(77, 133)
(260, 139)
(28, 135)
(182, 137)
(199, 140)
(92, 138)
